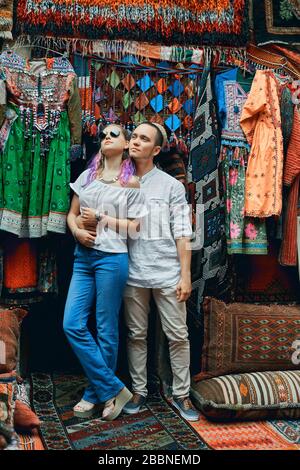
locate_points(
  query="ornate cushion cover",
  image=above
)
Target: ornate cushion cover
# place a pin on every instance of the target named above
(249, 396)
(10, 321)
(248, 338)
(24, 418)
(7, 403)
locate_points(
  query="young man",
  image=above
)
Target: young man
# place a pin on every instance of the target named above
(159, 263)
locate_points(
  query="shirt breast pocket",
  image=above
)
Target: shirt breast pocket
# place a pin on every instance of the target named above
(156, 225)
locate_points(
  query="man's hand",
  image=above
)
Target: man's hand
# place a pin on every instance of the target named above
(86, 225)
(88, 215)
(85, 237)
(184, 289)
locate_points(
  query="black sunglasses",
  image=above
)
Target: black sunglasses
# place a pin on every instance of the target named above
(114, 134)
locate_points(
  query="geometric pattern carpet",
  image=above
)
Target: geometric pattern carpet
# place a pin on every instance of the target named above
(157, 426)
(254, 435)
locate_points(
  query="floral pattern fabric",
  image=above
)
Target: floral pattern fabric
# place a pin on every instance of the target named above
(261, 123)
(244, 235)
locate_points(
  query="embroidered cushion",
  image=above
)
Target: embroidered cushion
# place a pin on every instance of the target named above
(251, 396)
(7, 402)
(10, 321)
(248, 338)
(24, 418)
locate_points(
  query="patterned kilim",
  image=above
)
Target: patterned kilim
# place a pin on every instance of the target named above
(156, 427)
(172, 21)
(133, 91)
(261, 279)
(241, 338)
(209, 262)
(276, 21)
(259, 435)
(31, 441)
(248, 397)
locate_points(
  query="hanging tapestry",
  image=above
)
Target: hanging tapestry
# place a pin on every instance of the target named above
(132, 92)
(223, 22)
(260, 278)
(6, 18)
(276, 21)
(209, 261)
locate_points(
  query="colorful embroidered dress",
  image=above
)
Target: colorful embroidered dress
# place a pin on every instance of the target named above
(42, 119)
(244, 234)
(261, 123)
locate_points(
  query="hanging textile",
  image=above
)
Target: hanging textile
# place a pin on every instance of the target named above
(272, 56)
(287, 116)
(260, 278)
(209, 264)
(42, 121)
(28, 268)
(132, 92)
(47, 266)
(276, 21)
(291, 178)
(6, 18)
(261, 123)
(213, 22)
(244, 235)
(119, 49)
(20, 265)
(174, 164)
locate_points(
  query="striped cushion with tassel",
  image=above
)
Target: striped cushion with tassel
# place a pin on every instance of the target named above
(257, 395)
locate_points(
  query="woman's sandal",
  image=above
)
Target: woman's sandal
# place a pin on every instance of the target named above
(114, 406)
(84, 409)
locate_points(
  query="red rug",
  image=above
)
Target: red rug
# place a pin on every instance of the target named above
(258, 435)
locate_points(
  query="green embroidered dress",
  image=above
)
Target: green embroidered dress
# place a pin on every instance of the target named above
(41, 125)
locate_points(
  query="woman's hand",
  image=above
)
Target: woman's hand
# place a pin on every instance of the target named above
(84, 237)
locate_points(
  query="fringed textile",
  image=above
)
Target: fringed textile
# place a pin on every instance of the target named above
(222, 22)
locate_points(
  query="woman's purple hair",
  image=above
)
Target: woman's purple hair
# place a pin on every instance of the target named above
(127, 169)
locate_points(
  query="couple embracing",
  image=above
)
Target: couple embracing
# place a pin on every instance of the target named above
(132, 227)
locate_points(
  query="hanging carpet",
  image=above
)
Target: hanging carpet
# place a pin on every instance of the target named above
(223, 22)
(276, 21)
(6, 18)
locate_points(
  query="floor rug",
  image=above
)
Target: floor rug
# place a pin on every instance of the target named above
(256, 435)
(158, 426)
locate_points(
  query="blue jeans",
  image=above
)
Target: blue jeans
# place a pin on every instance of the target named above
(101, 276)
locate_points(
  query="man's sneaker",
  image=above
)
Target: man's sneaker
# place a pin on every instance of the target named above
(134, 405)
(186, 408)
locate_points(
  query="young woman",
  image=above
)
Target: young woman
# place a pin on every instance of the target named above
(108, 198)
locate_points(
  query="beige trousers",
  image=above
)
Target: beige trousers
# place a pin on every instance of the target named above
(173, 319)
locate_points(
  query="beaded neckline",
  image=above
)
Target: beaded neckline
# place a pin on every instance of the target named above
(55, 65)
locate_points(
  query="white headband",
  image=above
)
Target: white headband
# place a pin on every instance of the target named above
(163, 133)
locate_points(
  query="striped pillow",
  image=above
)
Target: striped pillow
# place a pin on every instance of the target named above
(257, 395)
